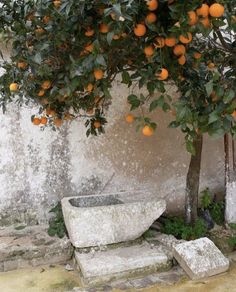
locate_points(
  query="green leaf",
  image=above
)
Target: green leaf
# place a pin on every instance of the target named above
(209, 87)
(125, 77)
(134, 101)
(190, 148)
(154, 104)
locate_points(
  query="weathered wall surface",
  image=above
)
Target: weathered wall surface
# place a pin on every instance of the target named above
(38, 168)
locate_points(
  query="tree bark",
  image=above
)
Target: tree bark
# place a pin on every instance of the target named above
(192, 183)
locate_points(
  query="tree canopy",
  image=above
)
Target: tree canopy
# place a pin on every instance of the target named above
(66, 54)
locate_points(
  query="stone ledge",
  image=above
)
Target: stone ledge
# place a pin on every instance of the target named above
(31, 246)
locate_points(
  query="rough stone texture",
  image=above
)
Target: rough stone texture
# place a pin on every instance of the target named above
(97, 267)
(105, 221)
(31, 246)
(230, 208)
(38, 168)
(200, 258)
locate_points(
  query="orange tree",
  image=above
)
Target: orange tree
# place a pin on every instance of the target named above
(66, 54)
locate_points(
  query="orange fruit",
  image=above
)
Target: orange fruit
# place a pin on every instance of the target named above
(50, 112)
(103, 28)
(46, 19)
(234, 114)
(182, 60)
(90, 111)
(140, 30)
(68, 116)
(203, 10)
(192, 18)
(41, 93)
(147, 131)
(89, 32)
(89, 87)
(205, 22)
(57, 3)
(216, 10)
(13, 87)
(163, 74)
(57, 122)
(39, 30)
(46, 84)
(22, 65)
(211, 65)
(151, 18)
(116, 37)
(44, 120)
(170, 41)
(152, 4)
(179, 50)
(197, 55)
(36, 121)
(149, 51)
(89, 48)
(186, 39)
(98, 74)
(159, 42)
(129, 118)
(97, 124)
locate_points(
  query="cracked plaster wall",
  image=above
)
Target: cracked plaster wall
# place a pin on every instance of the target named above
(38, 168)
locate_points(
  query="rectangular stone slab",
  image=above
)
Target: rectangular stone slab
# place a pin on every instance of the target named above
(200, 258)
(122, 261)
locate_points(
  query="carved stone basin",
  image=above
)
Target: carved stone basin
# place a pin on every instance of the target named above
(105, 219)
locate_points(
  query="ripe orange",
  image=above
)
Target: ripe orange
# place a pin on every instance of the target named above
(152, 4)
(90, 111)
(179, 50)
(197, 55)
(103, 28)
(234, 114)
(170, 41)
(140, 30)
(39, 30)
(41, 93)
(205, 22)
(57, 122)
(88, 48)
(203, 10)
(147, 131)
(149, 51)
(151, 18)
(46, 84)
(97, 124)
(159, 42)
(211, 65)
(192, 18)
(44, 120)
(163, 74)
(50, 112)
(116, 37)
(13, 87)
(98, 74)
(57, 3)
(89, 32)
(182, 60)
(46, 19)
(216, 10)
(129, 118)
(22, 65)
(36, 121)
(89, 87)
(186, 39)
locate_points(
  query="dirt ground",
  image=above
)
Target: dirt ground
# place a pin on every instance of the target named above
(57, 279)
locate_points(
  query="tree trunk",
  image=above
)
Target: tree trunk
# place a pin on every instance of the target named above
(192, 183)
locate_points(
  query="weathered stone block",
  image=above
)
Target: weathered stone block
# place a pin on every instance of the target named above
(100, 266)
(105, 219)
(200, 258)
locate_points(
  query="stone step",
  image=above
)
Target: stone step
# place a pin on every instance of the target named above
(31, 246)
(126, 261)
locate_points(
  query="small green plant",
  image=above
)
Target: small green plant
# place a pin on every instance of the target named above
(232, 225)
(216, 209)
(177, 227)
(56, 223)
(232, 242)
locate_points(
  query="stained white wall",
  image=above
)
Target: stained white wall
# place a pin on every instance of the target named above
(38, 168)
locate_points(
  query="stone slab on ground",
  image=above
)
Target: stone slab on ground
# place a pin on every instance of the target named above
(200, 258)
(100, 266)
(31, 246)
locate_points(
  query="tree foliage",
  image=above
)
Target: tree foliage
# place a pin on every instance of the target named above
(66, 54)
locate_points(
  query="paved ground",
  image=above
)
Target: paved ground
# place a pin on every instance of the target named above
(57, 279)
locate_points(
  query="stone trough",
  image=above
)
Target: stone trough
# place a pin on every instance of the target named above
(107, 219)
